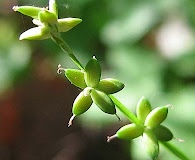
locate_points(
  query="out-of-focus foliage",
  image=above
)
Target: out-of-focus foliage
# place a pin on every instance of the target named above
(149, 45)
(14, 56)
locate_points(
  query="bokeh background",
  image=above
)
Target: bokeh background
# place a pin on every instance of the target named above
(149, 45)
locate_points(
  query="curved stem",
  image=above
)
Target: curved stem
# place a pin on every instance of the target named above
(175, 150)
(125, 111)
(64, 46)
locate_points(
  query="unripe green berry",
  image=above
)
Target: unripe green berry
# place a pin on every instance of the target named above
(110, 85)
(156, 117)
(163, 133)
(76, 77)
(81, 104)
(151, 144)
(92, 73)
(143, 109)
(103, 101)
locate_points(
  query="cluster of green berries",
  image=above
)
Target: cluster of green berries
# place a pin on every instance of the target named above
(93, 88)
(47, 21)
(149, 128)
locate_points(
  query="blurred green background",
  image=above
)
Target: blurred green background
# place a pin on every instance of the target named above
(149, 45)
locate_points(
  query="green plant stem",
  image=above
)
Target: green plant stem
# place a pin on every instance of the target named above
(125, 110)
(175, 150)
(64, 46)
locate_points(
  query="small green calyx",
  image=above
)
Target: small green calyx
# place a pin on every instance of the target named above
(46, 18)
(163, 133)
(76, 77)
(81, 104)
(130, 131)
(30, 11)
(156, 117)
(151, 144)
(143, 109)
(66, 24)
(103, 101)
(38, 33)
(110, 85)
(92, 73)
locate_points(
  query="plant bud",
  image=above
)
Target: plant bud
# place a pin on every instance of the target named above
(92, 73)
(143, 109)
(65, 24)
(76, 77)
(46, 16)
(156, 117)
(162, 133)
(36, 33)
(103, 101)
(81, 104)
(28, 10)
(130, 131)
(110, 86)
(151, 144)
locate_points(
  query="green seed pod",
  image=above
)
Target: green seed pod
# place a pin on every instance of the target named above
(81, 104)
(162, 133)
(36, 33)
(92, 73)
(143, 109)
(28, 10)
(130, 131)
(151, 144)
(76, 77)
(46, 16)
(110, 85)
(103, 101)
(53, 7)
(65, 24)
(156, 117)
